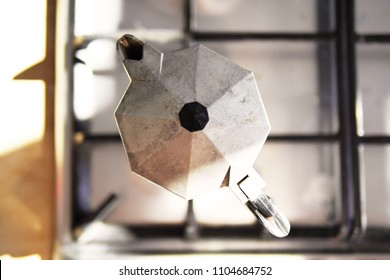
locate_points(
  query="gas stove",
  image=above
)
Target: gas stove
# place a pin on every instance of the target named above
(325, 159)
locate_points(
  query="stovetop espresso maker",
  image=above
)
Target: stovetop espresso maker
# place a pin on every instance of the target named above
(193, 121)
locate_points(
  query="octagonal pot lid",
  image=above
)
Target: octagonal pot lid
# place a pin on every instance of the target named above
(192, 120)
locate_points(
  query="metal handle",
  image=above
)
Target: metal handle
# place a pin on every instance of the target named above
(247, 187)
